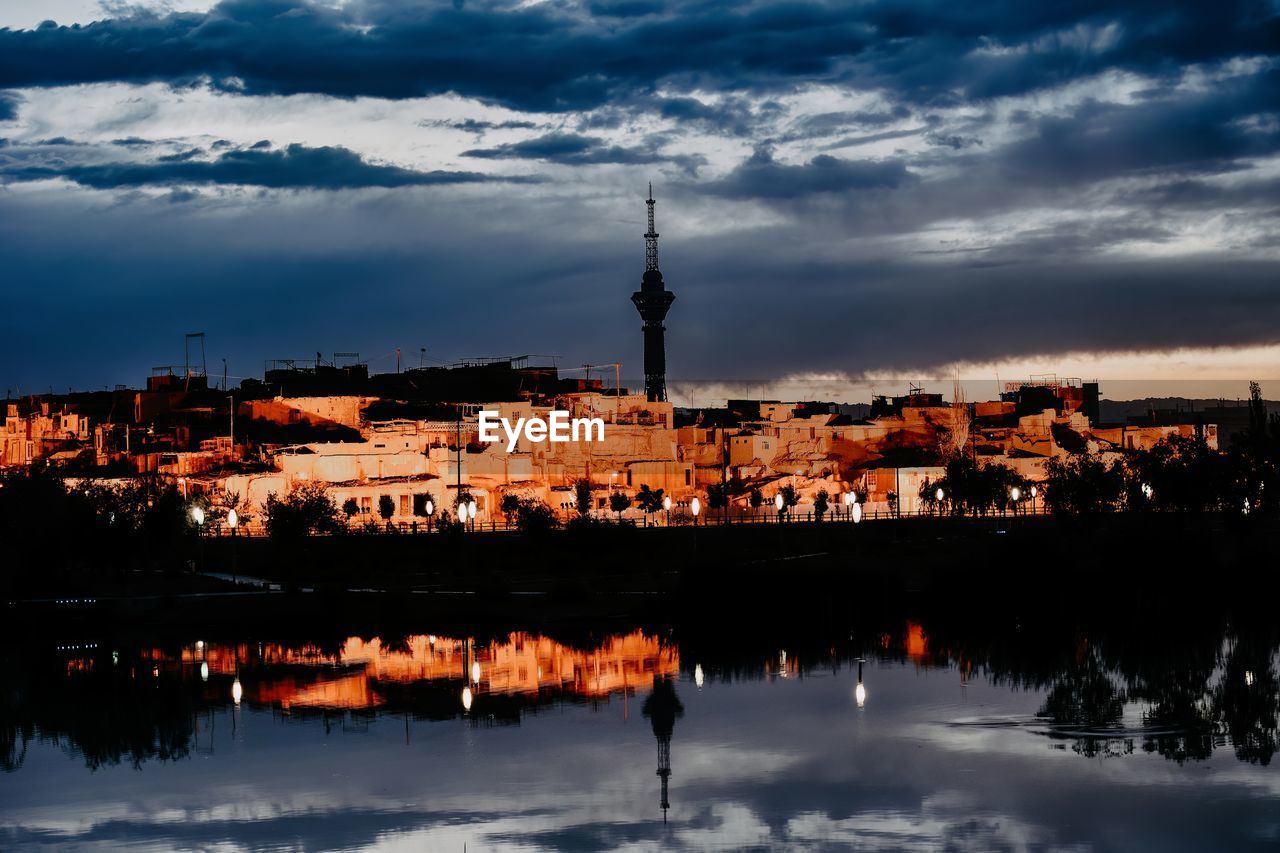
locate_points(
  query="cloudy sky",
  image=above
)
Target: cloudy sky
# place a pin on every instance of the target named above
(873, 189)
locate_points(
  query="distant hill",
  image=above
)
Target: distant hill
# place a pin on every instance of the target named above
(1118, 411)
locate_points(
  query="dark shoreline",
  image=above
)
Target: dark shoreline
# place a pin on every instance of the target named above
(589, 582)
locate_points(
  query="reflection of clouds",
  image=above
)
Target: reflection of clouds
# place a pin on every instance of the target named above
(701, 762)
(778, 765)
(731, 826)
(921, 830)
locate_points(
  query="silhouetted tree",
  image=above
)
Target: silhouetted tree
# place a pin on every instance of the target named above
(821, 502)
(582, 496)
(789, 499)
(619, 503)
(306, 509)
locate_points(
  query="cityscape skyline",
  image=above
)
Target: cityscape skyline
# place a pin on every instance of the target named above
(854, 192)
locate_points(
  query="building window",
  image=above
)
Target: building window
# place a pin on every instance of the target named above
(366, 505)
(404, 504)
(688, 476)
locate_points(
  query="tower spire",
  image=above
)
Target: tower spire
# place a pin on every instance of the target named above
(651, 237)
(652, 301)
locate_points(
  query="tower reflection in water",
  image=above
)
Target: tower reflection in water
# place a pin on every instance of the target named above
(662, 709)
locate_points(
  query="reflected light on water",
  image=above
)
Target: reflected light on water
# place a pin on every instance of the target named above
(697, 674)
(466, 698)
(237, 691)
(204, 670)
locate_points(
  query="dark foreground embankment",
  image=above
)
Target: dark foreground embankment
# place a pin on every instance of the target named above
(595, 580)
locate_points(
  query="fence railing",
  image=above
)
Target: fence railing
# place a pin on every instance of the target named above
(679, 517)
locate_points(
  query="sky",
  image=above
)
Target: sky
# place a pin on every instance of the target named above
(846, 191)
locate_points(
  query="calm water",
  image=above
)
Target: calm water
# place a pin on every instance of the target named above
(521, 742)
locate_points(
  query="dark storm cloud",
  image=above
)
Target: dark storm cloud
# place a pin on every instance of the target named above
(476, 126)
(799, 303)
(625, 8)
(830, 123)
(761, 176)
(1201, 133)
(574, 149)
(9, 105)
(297, 166)
(554, 57)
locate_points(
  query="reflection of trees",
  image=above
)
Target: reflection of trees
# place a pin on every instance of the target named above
(1246, 700)
(106, 714)
(1086, 700)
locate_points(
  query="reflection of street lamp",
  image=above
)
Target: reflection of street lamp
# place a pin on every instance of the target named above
(697, 675)
(466, 699)
(860, 692)
(237, 692)
(204, 670)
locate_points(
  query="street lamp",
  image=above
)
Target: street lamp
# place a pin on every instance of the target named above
(237, 692)
(1014, 494)
(780, 504)
(666, 505)
(856, 509)
(695, 508)
(233, 521)
(1035, 490)
(430, 510)
(466, 699)
(697, 675)
(197, 515)
(475, 671)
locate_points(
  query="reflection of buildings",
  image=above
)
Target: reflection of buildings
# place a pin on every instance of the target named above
(372, 674)
(663, 708)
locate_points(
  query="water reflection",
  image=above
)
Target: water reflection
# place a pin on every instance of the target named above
(789, 736)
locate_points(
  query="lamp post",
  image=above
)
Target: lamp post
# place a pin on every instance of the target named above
(1035, 490)
(233, 521)
(197, 515)
(695, 508)
(780, 504)
(1015, 494)
(939, 495)
(430, 509)
(666, 506)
